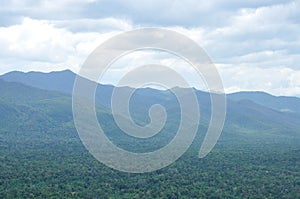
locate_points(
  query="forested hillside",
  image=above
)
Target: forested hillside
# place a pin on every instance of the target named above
(42, 156)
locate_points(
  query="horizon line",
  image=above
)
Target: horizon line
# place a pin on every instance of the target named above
(149, 87)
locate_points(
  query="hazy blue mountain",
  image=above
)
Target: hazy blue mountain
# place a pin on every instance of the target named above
(23, 106)
(63, 81)
(23, 94)
(255, 112)
(58, 81)
(244, 116)
(281, 103)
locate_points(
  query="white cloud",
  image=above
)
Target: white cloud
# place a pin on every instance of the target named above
(256, 44)
(41, 43)
(130, 62)
(45, 8)
(94, 25)
(278, 81)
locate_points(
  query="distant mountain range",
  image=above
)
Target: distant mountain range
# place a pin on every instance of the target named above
(37, 98)
(63, 81)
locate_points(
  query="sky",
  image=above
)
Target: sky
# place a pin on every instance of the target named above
(255, 44)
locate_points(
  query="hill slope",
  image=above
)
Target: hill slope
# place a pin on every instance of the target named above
(281, 103)
(63, 81)
(42, 156)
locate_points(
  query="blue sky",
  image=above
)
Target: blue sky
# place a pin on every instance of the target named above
(254, 44)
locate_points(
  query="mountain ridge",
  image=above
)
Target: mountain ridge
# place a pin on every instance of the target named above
(243, 115)
(13, 76)
(63, 81)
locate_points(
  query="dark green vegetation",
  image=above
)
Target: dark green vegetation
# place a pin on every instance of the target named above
(257, 156)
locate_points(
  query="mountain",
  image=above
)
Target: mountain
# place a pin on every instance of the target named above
(63, 81)
(23, 94)
(280, 103)
(254, 112)
(56, 81)
(24, 106)
(42, 156)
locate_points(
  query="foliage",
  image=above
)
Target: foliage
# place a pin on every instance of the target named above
(41, 155)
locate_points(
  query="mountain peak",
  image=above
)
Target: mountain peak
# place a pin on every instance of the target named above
(56, 80)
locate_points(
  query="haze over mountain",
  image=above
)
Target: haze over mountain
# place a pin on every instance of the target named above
(63, 81)
(246, 111)
(59, 81)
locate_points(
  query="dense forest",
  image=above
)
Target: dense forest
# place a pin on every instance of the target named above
(42, 156)
(54, 163)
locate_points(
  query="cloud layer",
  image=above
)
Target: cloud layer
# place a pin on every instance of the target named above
(255, 44)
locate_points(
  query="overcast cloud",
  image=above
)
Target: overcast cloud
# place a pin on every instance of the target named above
(255, 44)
